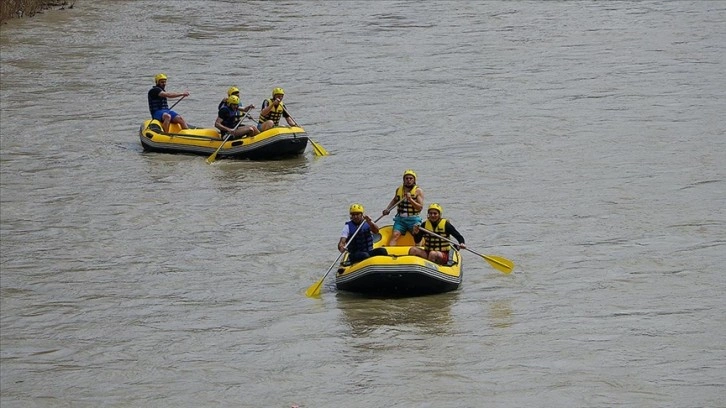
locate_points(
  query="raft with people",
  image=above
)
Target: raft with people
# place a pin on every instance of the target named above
(412, 257)
(275, 143)
(399, 273)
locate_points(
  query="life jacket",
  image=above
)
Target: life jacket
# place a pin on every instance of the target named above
(156, 102)
(363, 241)
(405, 207)
(222, 104)
(274, 115)
(231, 120)
(434, 243)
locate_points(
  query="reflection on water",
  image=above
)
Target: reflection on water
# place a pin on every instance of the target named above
(500, 314)
(425, 314)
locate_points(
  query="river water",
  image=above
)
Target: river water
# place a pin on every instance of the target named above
(582, 140)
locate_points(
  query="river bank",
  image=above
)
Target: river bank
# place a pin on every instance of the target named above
(28, 8)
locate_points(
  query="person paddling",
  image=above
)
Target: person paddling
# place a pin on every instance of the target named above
(410, 199)
(435, 248)
(159, 107)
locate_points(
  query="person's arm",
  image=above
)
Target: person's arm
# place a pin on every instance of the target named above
(451, 230)
(221, 116)
(418, 202)
(394, 200)
(417, 234)
(288, 118)
(343, 238)
(374, 227)
(165, 94)
(266, 107)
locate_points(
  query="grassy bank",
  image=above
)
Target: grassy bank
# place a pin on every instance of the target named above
(28, 8)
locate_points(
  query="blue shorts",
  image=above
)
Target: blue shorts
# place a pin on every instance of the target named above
(158, 114)
(259, 127)
(403, 224)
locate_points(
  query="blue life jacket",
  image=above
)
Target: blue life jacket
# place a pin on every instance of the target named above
(363, 241)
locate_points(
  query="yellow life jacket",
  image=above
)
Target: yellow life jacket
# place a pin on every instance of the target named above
(405, 207)
(434, 243)
(274, 115)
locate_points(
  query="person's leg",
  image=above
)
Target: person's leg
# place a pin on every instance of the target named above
(437, 257)
(177, 118)
(165, 121)
(415, 251)
(379, 252)
(394, 237)
(268, 125)
(180, 120)
(356, 257)
(246, 131)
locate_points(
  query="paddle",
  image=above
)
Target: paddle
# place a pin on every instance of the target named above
(314, 289)
(318, 150)
(503, 265)
(213, 157)
(180, 99)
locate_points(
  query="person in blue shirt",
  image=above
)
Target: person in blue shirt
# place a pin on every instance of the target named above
(361, 246)
(228, 120)
(233, 90)
(159, 107)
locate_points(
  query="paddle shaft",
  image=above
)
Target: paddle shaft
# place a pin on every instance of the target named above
(444, 238)
(180, 99)
(502, 264)
(284, 109)
(315, 288)
(211, 158)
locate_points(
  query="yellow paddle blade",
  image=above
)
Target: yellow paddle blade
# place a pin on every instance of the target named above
(314, 289)
(211, 158)
(318, 149)
(501, 264)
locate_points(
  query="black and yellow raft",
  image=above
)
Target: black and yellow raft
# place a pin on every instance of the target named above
(398, 273)
(275, 143)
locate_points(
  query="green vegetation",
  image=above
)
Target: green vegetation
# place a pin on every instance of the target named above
(28, 8)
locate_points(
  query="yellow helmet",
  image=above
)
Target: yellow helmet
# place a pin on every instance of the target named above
(356, 208)
(233, 100)
(411, 173)
(159, 77)
(231, 90)
(435, 206)
(278, 91)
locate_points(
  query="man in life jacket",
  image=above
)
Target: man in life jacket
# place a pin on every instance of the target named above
(159, 107)
(435, 249)
(272, 110)
(233, 90)
(410, 199)
(228, 119)
(361, 245)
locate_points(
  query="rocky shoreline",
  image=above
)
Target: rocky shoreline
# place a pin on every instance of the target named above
(10, 9)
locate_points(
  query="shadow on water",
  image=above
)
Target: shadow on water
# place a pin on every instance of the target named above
(227, 170)
(431, 314)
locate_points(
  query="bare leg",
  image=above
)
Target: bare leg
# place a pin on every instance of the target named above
(268, 125)
(178, 119)
(166, 120)
(417, 252)
(394, 238)
(436, 257)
